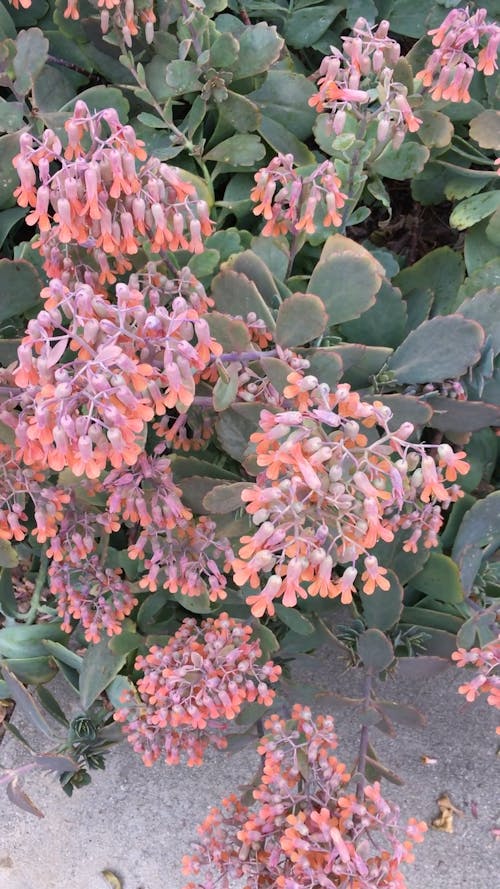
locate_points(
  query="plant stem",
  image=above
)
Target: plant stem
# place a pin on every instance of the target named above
(364, 736)
(31, 614)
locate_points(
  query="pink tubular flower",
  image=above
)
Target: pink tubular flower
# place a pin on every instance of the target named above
(324, 497)
(359, 80)
(292, 208)
(304, 829)
(486, 661)
(96, 193)
(448, 71)
(193, 687)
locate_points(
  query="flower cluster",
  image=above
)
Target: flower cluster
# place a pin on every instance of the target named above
(360, 79)
(327, 493)
(20, 485)
(293, 207)
(124, 15)
(96, 198)
(96, 596)
(137, 356)
(449, 69)
(193, 687)
(486, 661)
(306, 829)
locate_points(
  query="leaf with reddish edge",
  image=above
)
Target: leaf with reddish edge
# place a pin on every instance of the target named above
(21, 799)
(301, 319)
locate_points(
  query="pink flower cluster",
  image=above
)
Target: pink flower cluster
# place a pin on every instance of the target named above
(136, 357)
(193, 687)
(124, 15)
(449, 69)
(305, 830)
(360, 79)
(486, 661)
(97, 596)
(327, 494)
(95, 198)
(293, 207)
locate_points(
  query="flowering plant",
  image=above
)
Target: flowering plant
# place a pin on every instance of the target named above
(226, 438)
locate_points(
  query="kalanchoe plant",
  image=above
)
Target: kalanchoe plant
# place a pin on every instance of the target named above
(227, 438)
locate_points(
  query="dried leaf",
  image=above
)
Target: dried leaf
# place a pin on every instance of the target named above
(444, 820)
(112, 879)
(428, 760)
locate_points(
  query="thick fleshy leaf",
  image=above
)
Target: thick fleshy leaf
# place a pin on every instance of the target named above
(235, 426)
(440, 579)
(32, 48)
(260, 46)
(235, 294)
(325, 364)
(382, 609)
(474, 209)
(231, 333)
(361, 363)
(375, 650)
(251, 265)
(26, 702)
(402, 714)
(439, 349)
(23, 640)
(427, 617)
(283, 97)
(242, 150)
(346, 283)
(422, 667)
(100, 666)
(297, 622)
(478, 535)
(8, 556)
(305, 26)
(239, 111)
(462, 416)
(436, 129)
(441, 271)
(282, 140)
(226, 388)
(485, 129)
(224, 498)
(383, 324)
(21, 799)
(484, 307)
(32, 670)
(21, 286)
(301, 318)
(405, 408)
(401, 163)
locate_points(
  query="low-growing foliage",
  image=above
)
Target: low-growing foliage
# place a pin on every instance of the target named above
(250, 382)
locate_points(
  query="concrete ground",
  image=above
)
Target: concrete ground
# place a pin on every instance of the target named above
(138, 822)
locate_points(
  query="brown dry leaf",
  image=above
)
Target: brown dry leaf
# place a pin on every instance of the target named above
(112, 879)
(444, 820)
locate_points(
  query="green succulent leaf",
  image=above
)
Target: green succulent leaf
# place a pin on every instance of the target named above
(382, 609)
(375, 650)
(477, 536)
(301, 319)
(439, 349)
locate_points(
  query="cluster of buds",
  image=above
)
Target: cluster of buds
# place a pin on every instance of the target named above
(327, 494)
(293, 207)
(20, 485)
(192, 689)
(124, 15)
(305, 829)
(486, 661)
(448, 71)
(360, 79)
(97, 199)
(179, 552)
(96, 596)
(135, 359)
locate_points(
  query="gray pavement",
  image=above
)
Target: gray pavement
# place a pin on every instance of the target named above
(139, 822)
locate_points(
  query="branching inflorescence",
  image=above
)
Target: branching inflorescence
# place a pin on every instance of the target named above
(306, 829)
